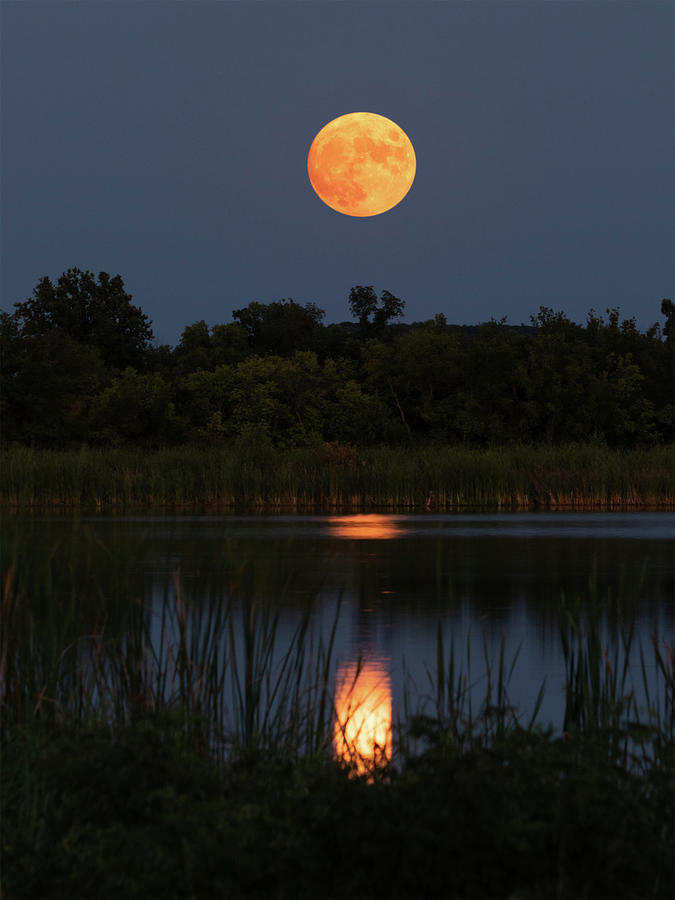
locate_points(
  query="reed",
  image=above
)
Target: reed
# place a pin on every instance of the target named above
(625, 711)
(340, 477)
(217, 672)
(631, 711)
(79, 647)
(153, 746)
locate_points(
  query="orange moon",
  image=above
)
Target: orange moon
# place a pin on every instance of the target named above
(361, 164)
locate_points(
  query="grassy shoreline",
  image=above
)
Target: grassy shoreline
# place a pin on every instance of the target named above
(255, 475)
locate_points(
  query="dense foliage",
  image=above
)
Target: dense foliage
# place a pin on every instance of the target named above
(144, 816)
(79, 365)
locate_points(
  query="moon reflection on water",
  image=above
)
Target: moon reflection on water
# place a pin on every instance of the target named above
(362, 733)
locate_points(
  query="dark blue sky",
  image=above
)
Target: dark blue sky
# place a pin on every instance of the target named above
(167, 142)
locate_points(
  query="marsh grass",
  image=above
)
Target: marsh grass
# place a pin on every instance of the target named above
(340, 476)
(79, 644)
(183, 749)
(609, 697)
(218, 672)
(627, 710)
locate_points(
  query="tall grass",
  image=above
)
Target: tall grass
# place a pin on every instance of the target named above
(79, 647)
(607, 700)
(218, 673)
(168, 746)
(340, 476)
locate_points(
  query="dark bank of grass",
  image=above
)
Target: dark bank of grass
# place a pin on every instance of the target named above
(253, 474)
(141, 814)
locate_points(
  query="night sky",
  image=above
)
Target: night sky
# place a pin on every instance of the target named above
(167, 142)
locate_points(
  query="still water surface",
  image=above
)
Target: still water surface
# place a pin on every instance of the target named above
(391, 580)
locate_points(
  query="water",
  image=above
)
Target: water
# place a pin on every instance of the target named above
(391, 580)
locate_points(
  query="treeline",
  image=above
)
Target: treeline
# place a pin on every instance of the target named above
(79, 365)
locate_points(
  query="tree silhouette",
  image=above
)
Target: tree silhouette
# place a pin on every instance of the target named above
(373, 316)
(281, 327)
(668, 310)
(97, 314)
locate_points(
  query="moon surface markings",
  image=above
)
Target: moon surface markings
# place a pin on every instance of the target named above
(361, 164)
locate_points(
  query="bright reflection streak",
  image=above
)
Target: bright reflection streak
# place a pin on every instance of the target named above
(369, 525)
(362, 733)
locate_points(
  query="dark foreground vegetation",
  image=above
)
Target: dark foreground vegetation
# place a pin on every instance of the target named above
(79, 365)
(161, 752)
(141, 814)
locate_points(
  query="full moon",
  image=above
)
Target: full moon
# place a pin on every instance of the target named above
(361, 164)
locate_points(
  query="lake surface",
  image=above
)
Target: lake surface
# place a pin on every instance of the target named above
(387, 581)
